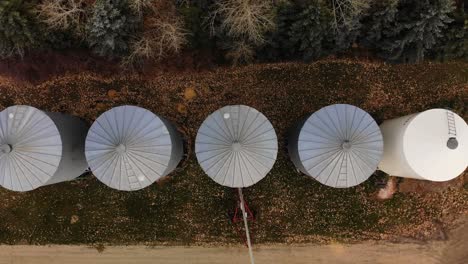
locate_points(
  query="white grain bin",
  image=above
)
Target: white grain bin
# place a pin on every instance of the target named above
(39, 148)
(340, 145)
(128, 148)
(236, 146)
(431, 145)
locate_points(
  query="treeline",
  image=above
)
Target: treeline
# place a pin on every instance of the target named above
(240, 31)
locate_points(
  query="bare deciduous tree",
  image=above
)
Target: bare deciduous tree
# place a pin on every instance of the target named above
(139, 5)
(160, 39)
(163, 33)
(345, 12)
(63, 14)
(243, 19)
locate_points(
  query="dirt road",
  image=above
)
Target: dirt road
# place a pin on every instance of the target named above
(275, 254)
(335, 253)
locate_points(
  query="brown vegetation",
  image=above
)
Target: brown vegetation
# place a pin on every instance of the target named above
(246, 22)
(140, 5)
(63, 15)
(189, 207)
(245, 19)
(163, 32)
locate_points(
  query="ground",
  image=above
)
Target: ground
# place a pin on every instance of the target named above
(450, 251)
(188, 208)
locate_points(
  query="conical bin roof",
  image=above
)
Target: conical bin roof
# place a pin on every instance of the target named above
(340, 145)
(236, 146)
(128, 148)
(30, 148)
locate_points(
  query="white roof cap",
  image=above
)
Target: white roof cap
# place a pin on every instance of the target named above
(340, 145)
(128, 148)
(236, 146)
(30, 148)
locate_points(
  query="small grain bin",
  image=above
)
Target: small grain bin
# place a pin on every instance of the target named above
(39, 148)
(236, 146)
(128, 148)
(340, 145)
(431, 145)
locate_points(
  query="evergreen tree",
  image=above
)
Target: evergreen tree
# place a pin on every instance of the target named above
(454, 44)
(405, 30)
(302, 32)
(18, 29)
(346, 23)
(110, 27)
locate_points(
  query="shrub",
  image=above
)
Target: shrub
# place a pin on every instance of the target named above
(405, 30)
(240, 52)
(61, 40)
(163, 33)
(18, 29)
(110, 27)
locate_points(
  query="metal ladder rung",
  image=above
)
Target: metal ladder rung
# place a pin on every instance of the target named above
(343, 170)
(452, 129)
(133, 180)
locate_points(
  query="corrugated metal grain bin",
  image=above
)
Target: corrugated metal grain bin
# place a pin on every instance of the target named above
(39, 148)
(431, 145)
(340, 146)
(128, 148)
(236, 146)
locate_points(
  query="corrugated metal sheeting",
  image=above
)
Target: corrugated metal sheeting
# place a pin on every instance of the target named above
(236, 146)
(128, 148)
(39, 148)
(339, 145)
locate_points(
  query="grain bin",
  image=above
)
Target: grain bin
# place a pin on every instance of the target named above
(128, 148)
(431, 145)
(236, 146)
(340, 145)
(39, 148)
